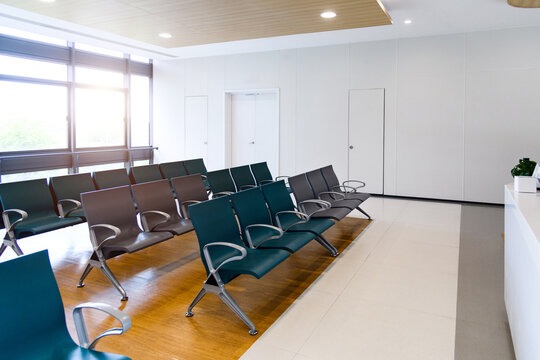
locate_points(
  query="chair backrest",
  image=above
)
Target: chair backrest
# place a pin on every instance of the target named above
(29, 323)
(316, 180)
(300, 187)
(250, 208)
(146, 173)
(242, 176)
(214, 221)
(330, 176)
(277, 197)
(190, 187)
(111, 178)
(195, 166)
(261, 172)
(32, 196)
(155, 195)
(71, 186)
(111, 206)
(220, 181)
(173, 169)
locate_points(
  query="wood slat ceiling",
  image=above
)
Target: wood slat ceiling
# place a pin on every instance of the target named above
(525, 3)
(197, 22)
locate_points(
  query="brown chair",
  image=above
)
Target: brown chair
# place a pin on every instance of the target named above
(157, 208)
(114, 230)
(189, 190)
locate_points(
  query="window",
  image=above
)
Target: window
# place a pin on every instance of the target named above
(32, 116)
(10, 65)
(84, 75)
(99, 50)
(140, 110)
(141, 59)
(99, 118)
(33, 175)
(102, 167)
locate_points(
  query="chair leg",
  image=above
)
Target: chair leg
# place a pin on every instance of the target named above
(109, 275)
(229, 301)
(2, 248)
(321, 240)
(85, 273)
(198, 298)
(363, 212)
(12, 243)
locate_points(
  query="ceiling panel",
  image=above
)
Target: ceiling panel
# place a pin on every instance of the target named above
(196, 22)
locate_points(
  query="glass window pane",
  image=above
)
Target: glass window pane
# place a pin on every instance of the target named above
(99, 50)
(141, 162)
(32, 116)
(84, 75)
(99, 118)
(29, 36)
(141, 59)
(32, 68)
(101, 167)
(140, 110)
(33, 175)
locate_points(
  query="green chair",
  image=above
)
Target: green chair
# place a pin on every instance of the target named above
(223, 254)
(242, 177)
(262, 173)
(256, 224)
(67, 190)
(288, 218)
(111, 178)
(33, 325)
(196, 166)
(221, 182)
(173, 169)
(29, 210)
(146, 173)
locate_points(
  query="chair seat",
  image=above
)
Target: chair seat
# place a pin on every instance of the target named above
(357, 196)
(38, 225)
(77, 213)
(257, 263)
(345, 203)
(313, 225)
(77, 353)
(333, 213)
(127, 244)
(177, 227)
(291, 242)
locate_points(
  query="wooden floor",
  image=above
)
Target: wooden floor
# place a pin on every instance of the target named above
(161, 281)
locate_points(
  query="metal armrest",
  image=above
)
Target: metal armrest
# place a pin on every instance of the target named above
(222, 193)
(331, 194)
(304, 218)
(94, 239)
(184, 205)
(324, 205)
(5, 216)
(244, 187)
(61, 207)
(248, 235)
(204, 176)
(281, 177)
(362, 184)
(344, 188)
(208, 258)
(157, 212)
(262, 182)
(80, 325)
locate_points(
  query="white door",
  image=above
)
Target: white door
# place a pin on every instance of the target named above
(196, 127)
(366, 138)
(255, 129)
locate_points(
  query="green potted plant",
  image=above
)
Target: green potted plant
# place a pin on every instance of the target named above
(522, 173)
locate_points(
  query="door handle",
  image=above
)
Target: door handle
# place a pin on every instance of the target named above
(206, 143)
(252, 142)
(351, 147)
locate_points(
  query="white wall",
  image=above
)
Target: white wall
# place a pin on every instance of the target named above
(460, 110)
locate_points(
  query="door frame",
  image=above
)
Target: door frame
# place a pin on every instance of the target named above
(228, 93)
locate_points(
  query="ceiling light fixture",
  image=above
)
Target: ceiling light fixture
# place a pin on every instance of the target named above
(328, 15)
(47, 1)
(408, 21)
(165, 35)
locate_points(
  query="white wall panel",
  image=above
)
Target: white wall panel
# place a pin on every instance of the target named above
(287, 110)
(322, 115)
(430, 117)
(252, 71)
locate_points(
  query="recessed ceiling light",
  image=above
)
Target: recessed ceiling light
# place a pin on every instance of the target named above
(328, 14)
(165, 35)
(47, 1)
(408, 21)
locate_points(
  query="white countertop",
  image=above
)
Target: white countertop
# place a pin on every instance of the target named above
(529, 206)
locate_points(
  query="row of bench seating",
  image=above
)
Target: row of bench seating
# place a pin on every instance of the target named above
(271, 228)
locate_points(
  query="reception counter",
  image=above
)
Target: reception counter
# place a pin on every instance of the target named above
(522, 271)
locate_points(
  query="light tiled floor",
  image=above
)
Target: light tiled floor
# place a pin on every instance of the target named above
(391, 295)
